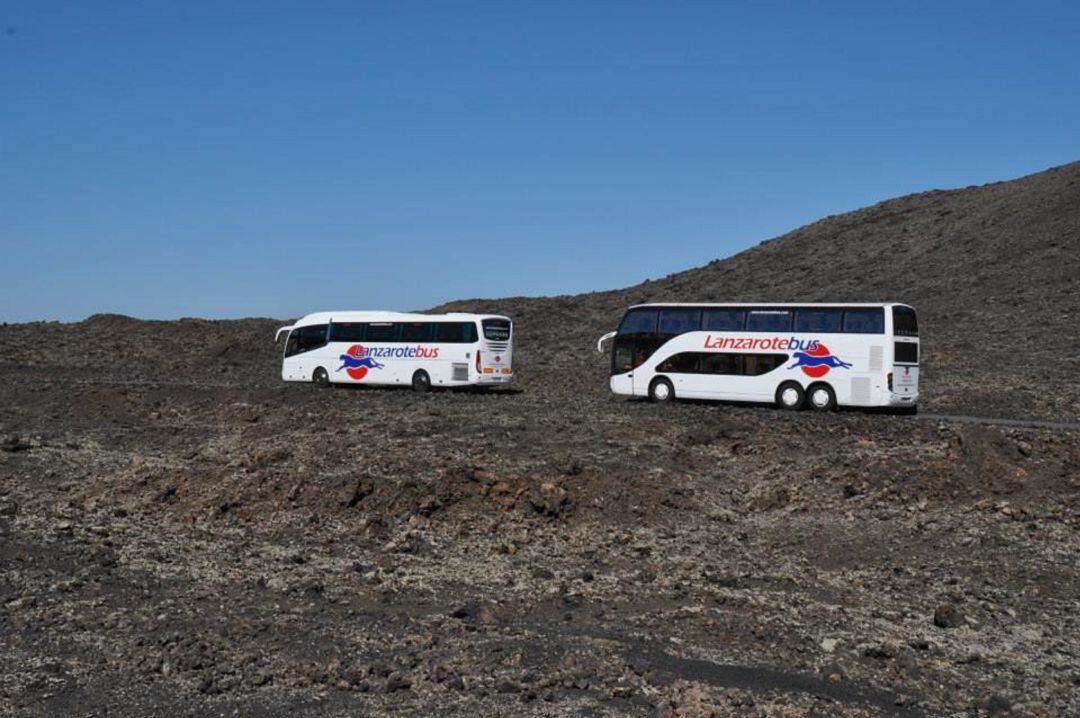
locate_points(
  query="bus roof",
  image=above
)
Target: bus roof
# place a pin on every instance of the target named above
(384, 316)
(772, 305)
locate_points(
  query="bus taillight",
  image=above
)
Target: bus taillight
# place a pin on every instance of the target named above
(478, 363)
(890, 381)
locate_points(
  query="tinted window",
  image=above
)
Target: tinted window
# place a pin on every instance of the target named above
(758, 364)
(639, 321)
(292, 343)
(679, 321)
(416, 331)
(906, 352)
(622, 359)
(769, 321)
(819, 320)
(381, 332)
(455, 332)
(346, 332)
(864, 321)
(307, 338)
(723, 320)
(904, 322)
(496, 329)
(685, 363)
(720, 364)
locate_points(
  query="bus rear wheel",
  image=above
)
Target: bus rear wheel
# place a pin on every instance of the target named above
(421, 382)
(790, 396)
(320, 377)
(661, 391)
(822, 397)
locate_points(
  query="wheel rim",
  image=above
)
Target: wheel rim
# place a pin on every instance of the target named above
(790, 396)
(661, 391)
(820, 398)
(420, 381)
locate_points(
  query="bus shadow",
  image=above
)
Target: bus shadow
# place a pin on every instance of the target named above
(404, 388)
(770, 406)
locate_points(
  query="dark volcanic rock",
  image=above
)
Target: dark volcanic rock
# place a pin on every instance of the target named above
(947, 615)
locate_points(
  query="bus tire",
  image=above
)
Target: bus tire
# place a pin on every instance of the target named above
(320, 378)
(790, 396)
(821, 397)
(421, 382)
(661, 391)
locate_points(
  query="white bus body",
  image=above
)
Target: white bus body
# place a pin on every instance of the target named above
(394, 348)
(821, 355)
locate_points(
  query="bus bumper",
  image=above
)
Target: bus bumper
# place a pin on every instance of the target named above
(901, 400)
(494, 379)
(622, 384)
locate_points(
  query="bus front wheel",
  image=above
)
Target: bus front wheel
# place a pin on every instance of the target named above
(421, 382)
(790, 396)
(320, 377)
(822, 397)
(661, 391)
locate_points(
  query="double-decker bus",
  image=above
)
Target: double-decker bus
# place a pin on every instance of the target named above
(816, 355)
(388, 348)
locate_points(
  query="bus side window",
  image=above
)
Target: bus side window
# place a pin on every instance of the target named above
(685, 363)
(721, 364)
(381, 332)
(679, 321)
(864, 321)
(455, 332)
(347, 332)
(758, 364)
(769, 320)
(416, 332)
(723, 320)
(819, 320)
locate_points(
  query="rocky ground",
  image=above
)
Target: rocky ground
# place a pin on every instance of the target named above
(182, 534)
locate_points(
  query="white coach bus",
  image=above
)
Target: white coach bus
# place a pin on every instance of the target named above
(821, 355)
(388, 348)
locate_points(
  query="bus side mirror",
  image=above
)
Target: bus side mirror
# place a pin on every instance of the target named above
(606, 337)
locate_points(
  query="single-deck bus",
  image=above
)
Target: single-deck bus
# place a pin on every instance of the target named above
(821, 355)
(421, 350)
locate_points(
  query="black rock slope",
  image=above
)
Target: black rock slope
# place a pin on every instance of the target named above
(992, 269)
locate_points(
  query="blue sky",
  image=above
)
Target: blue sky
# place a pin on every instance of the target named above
(235, 159)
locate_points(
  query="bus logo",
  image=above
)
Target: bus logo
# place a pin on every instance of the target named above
(816, 362)
(356, 362)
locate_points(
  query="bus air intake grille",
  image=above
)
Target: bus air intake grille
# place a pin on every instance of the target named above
(876, 353)
(460, 372)
(860, 390)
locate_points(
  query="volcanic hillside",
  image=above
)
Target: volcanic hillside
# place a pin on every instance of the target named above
(993, 271)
